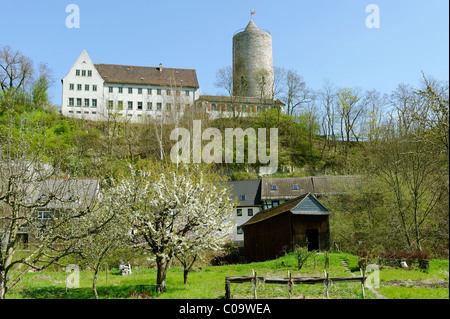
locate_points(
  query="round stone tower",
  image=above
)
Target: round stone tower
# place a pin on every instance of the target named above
(252, 63)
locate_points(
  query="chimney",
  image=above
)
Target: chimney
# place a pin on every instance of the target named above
(160, 67)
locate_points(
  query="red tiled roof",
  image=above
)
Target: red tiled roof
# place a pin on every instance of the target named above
(145, 75)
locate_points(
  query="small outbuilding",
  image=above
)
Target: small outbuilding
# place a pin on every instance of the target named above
(301, 221)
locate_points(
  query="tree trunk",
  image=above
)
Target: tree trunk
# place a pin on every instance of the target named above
(162, 264)
(94, 282)
(3, 287)
(185, 275)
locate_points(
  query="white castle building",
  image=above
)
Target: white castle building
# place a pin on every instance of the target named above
(138, 93)
(98, 91)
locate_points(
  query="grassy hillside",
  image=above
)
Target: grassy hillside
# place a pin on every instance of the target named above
(208, 282)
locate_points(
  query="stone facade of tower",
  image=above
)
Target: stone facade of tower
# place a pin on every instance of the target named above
(253, 63)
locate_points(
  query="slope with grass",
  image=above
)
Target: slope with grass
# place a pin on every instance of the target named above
(209, 282)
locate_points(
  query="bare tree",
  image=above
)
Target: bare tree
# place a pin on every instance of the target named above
(295, 94)
(35, 203)
(327, 100)
(16, 71)
(350, 110)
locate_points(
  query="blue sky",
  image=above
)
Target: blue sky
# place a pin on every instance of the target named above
(322, 39)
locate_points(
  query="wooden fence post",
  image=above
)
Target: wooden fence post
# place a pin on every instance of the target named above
(363, 280)
(290, 284)
(254, 283)
(227, 289)
(326, 283)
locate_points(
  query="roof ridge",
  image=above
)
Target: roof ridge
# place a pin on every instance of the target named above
(141, 66)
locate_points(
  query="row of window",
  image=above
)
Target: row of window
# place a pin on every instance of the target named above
(87, 87)
(79, 102)
(149, 91)
(93, 87)
(249, 212)
(83, 72)
(238, 108)
(130, 106)
(85, 112)
(294, 187)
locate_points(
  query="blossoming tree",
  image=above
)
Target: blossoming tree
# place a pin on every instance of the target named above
(174, 211)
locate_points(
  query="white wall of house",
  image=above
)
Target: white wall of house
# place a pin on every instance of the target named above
(82, 90)
(138, 102)
(86, 95)
(241, 216)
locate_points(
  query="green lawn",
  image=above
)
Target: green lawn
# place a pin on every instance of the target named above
(209, 282)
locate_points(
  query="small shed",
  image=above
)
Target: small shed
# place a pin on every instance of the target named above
(303, 220)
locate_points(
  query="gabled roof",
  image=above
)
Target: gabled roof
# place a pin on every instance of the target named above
(318, 185)
(67, 192)
(305, 204)
(146, 75)
(250, 188)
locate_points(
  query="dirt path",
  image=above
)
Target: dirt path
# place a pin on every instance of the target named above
(379, 296)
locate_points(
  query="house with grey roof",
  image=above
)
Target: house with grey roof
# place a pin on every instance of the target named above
(254, 196)
(48, 199)
(301, 221)
(248, 196)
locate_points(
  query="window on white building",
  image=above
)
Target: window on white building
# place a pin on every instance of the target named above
(139, 107)
(83, 72)
(250, 212)
(94, 103)
(78, 102)
(120, 89)
(79, 87)
(158, 91)
(139, 90)
(149, 106)
(239, 212)
(94, 87)
(186, 92)
(71, 101)
(130, 90)
(71, 86)
(110, 104)
(77, 72)
(120, 105)
(158, 106)
(86, 87)
(86, 102)
(130, 105)
(149, 91)
(89, 72)
(110, 89)
(168, 92)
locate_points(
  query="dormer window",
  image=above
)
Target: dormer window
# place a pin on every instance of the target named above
(42, 199)
(295, 187)
(44, 214)
(274, 187)
(243, 197)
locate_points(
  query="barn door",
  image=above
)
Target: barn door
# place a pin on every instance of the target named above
(312, 235)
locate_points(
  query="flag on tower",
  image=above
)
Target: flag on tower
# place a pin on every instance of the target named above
(252, 12)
